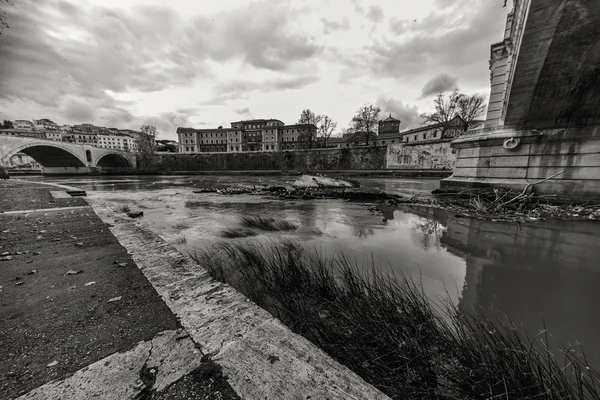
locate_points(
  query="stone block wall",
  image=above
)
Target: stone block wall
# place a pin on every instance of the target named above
(557, 77)
(361, 158)
(436, 155)
(483, 160)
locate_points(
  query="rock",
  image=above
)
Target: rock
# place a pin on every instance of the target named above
(33, 271)
(36, 253)
(6, 253)
(122, 264)
(79, 244)
(19, 283)
(28, 261)
(135, 214)
(71, 272)
(6, 258)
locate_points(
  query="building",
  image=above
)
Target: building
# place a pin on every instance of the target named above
(456, 127)
(55, 135)
(390, 125)
(22, 124)
(45, 124)
(250, 135)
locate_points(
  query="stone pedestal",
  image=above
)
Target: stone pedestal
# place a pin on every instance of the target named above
(515, 158)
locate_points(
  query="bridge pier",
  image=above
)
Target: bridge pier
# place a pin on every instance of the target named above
(68, 170)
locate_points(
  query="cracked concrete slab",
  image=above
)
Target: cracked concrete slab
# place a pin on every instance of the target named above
(261, 358)
(170, 355)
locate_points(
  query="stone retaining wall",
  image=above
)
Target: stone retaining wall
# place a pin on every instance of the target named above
(361, 158)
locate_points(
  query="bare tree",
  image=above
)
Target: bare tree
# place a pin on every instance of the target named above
(326, 128)
(365, 122)
(309, 117)
(470, 107)
(147, 146)
(446, 108)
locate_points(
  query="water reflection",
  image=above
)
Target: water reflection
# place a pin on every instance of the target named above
(533, 272)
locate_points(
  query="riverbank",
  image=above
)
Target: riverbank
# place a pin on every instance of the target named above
(73, 299)
(84, 318)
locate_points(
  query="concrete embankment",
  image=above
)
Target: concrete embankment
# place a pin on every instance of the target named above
(74, 306)
(89, 313)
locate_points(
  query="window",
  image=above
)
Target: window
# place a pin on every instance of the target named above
(392, 141)
(435, 134)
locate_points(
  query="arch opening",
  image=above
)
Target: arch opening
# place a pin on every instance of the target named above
(50, 156)
(113, 161)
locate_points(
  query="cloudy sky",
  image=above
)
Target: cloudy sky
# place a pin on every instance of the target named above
(199, 63)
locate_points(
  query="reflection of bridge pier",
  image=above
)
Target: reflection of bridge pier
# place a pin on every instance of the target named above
(61, 158)
(535, 273)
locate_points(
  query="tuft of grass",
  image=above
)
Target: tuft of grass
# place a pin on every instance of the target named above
(388, 332)
(267, 223)
(125, 208)
(181, 239)
(233, 233)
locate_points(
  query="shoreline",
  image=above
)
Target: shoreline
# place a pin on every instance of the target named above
(243, 347)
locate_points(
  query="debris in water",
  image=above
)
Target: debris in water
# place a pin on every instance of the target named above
(52, 364)
(135, 214)
(33, 271)
(90, 283)
(115, 299)
(6, 258)
(71, 272)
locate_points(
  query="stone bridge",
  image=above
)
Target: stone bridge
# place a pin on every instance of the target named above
(64, 158)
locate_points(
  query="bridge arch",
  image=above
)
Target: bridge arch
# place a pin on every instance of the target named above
(113, 160)
(47, 155)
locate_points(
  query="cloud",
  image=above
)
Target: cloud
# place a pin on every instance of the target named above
(76, 109)
(375, 14)
(259, 33)
(239, 89)
(330, 26)
(458, 40)
(408, 115)
(439, 83)
(243, 111)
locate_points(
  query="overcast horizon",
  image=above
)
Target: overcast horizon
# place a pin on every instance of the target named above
(121, 64)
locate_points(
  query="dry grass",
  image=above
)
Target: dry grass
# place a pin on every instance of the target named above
(267, 223)
(233, 233)
(388, 332)
(125, 208)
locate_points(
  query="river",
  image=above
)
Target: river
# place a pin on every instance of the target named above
(540, 274)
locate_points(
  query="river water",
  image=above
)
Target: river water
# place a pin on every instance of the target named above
(540, 274)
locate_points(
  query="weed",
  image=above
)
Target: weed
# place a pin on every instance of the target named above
(267, 223)
(388, 332)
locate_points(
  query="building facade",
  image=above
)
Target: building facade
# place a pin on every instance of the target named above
(247, 136)
(89, 134)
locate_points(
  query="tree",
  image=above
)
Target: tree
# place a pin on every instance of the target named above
(147, 147)
(309, 117)
(447, 107)
(7, 124)
(470, 107)
(365, 122)
(326, 128)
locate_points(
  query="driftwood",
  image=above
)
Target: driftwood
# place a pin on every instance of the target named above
(523, 193)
